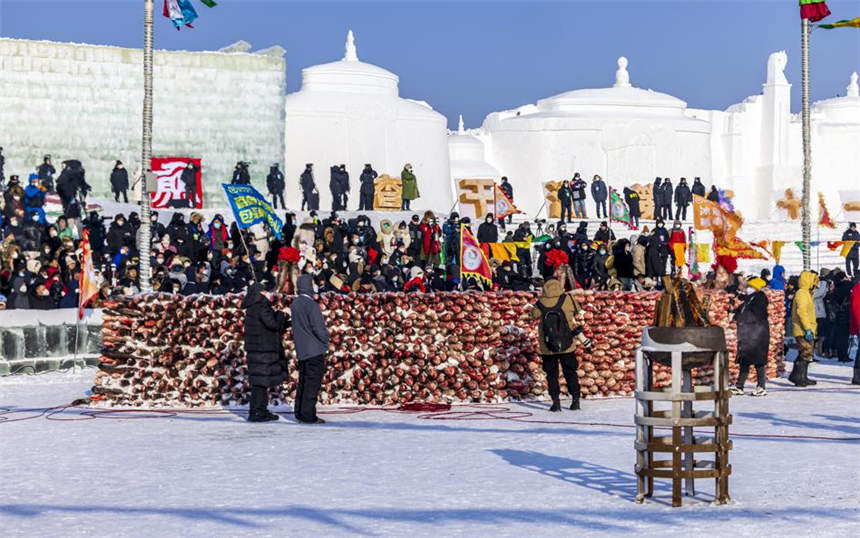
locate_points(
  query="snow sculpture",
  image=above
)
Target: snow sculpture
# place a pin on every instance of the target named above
(776, 68)
(350, 53)
(622, 77)
(853, 90)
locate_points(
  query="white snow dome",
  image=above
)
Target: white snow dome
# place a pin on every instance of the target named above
(350, 112)
(468, 160)
(625, 134)
(842, 109)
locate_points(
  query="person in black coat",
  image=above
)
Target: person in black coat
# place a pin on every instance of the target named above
(367, 190)
(310, 195)
(623, 263)
(683, 197)
(119, 182)
(668, 192)
(853, 258)
(311, 338)
(657, 195)
(698, 187)
(604, 233)
(46, 173)
(487, 231)
(631, 198)
(96, 227)
(599, 194)
(119, 235)
(714, 195)
(189, 180)
(753, 336)
(267, 363)
(334, 185)
(657, 252)
(241, 175)
(565, 196)
(275, 184)
(583, 266)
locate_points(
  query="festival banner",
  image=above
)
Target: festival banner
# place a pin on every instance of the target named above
(473, 262)
(844, 23)
(88, 283)
(736, 248)
(476, 197)
(618, 211)
(250, 208)
(170, 189)
(703, 253)
(504, 251)
(776, 249)
(503, 205)
(708, 215)
(824, 219)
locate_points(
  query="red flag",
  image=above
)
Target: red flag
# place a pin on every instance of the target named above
(504, 206)
(473, 262)
(823, 214)
(87, 286)
(814, 10)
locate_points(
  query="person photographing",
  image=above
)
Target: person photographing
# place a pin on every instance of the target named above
(267, 363)
(311, 338)
(559, 338)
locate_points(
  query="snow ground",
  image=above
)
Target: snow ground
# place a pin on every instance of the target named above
(385, 473)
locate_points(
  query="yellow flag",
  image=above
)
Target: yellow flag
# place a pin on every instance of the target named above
(776, 248)
(703, 252)
(680, 249)
(846, 248)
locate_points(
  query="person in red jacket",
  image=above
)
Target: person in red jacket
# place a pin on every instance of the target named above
(431, 247)
(676, 237)
(854, 327)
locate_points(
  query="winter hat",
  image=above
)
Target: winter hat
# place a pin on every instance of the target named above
(416, 272)
(756, 283)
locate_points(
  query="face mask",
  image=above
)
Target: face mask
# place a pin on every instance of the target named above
(159, 261)
(13, 222)
(750, 290)
(217, 224)
(659, 225)
(602, 251)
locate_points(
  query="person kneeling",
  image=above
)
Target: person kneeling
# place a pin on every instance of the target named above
(311, 338)
(267, 363)
(558, 341)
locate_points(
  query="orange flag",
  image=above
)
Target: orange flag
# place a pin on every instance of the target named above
(504, 205)
(708, 215)
(473, 261)
(824, 215)
(87, 286)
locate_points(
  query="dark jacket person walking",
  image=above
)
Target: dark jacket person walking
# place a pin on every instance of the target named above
(267, 363)
(311, 338)
(753, 336)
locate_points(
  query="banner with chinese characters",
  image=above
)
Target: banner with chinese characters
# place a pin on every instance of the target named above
(250, 208)
(476, 197)
(170, 190)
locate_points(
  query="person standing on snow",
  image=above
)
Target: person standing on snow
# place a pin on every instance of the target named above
(852, 260)
(367, 189)
(267, 363)
(508, 189)
(804, 328)
(409, 187)
(565, 197)
(275, 184)
(559, 337)
(753, 336)
(311, 338)
(668, 192)
(683, 197)
(577, 187)
(599, 193)
(698, 187)
(119, 182)
(310, 194)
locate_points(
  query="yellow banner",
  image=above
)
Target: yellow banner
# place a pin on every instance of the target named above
(703, 252)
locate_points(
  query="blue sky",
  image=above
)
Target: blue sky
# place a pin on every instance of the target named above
(477, 57)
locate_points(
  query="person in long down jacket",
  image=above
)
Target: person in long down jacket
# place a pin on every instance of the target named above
(410, 186)
(657, 196)
(804, 327)
(698, 187)
(267, 363)
(119, 182)
(275, 183)
(599, 195)
(631, 198)
(367, 189)
(189, 180)
(565, 197)
(623, 263)
(311, 338)
(753, 336)
(854, 327)
(668, 192)
(487, 231)
(683, 197)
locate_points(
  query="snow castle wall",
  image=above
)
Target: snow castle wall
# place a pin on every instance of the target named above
(79, 101)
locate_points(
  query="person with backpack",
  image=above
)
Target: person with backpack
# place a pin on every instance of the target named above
(559, 337)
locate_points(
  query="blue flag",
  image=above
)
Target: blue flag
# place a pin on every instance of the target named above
(249, 208)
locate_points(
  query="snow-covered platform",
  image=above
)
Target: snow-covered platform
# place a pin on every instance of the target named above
(505, 470)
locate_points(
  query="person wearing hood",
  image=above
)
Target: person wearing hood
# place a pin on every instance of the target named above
(565, 198)
(310, 194)
(487, 231)
(431, 233)
(714, 195)
(599, 193)
(559, 337)
(416, 281)
(32, 233)
(577, 187)
(852, 259)
(119, 182)
(657, 196)
(276, 185)
(599, 271)
(19, 295)
(241, 176)
(753, 330)
(631, 198)
(311, 338)
(657, 252)
(386, 238)
(410, 187)
(367, 189)
(604, 233)
(34, 195)
(668, 193)
(677, 241)
(683, 198)
(804, 327)
(46, 173)
(622, 260)
(508, 189)
(777, 282)
(698, 187)
(267, 362)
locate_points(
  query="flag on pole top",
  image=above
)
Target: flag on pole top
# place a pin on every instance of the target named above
(503, 205)
(87, 286)
(181, 12)
(814, 10)
(473, 261)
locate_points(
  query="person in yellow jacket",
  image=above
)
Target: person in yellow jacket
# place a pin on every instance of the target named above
(804, 328)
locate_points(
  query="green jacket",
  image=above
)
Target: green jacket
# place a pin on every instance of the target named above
(410, 185)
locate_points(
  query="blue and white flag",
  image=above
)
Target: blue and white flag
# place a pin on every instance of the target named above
(180, 12)
(249, 208)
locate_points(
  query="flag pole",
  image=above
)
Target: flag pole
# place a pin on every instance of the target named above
(146, 150)
(807, 154)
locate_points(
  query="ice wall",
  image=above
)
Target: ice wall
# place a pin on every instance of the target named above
(85, 101)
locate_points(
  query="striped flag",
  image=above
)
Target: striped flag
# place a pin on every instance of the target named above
(845, 23)
(88, 285)
(814, 10)
(182, 13)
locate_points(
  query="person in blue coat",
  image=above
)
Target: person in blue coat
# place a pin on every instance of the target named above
(599, 194)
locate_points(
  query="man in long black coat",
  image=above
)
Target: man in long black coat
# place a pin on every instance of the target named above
(189, 180)
(668, 193)
(46, 173)
(310, 195)
(657, 196)
(267, 363)
(311, 338)
(683, 198)
(698, 187)
(119, 182)
(275, 184)
(368, 189)
(753, 336)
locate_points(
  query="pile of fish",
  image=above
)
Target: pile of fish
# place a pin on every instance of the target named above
(162, 350)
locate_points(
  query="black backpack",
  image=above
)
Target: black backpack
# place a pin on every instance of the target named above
(557, 336)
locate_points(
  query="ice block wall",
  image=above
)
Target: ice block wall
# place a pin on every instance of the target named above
(79, 101)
